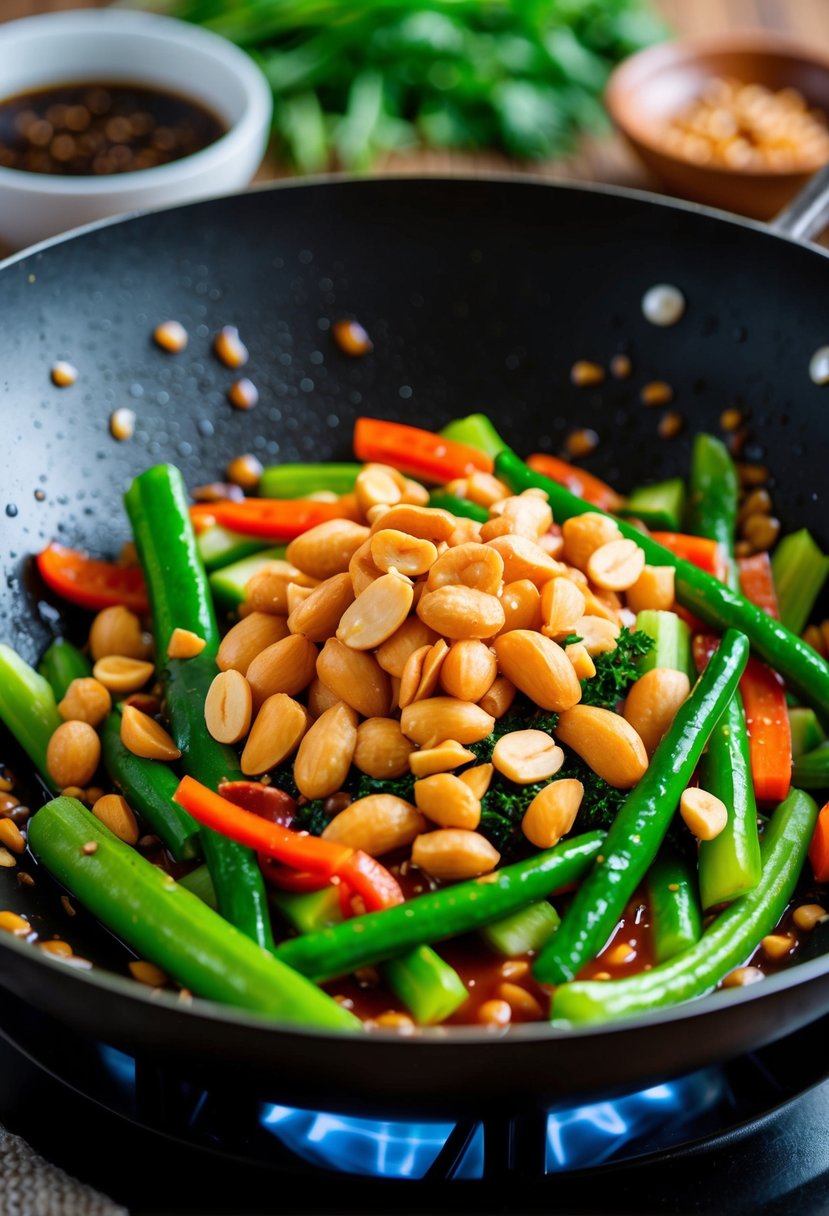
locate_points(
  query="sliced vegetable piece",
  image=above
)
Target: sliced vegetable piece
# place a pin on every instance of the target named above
(415, 452)
(475, 431)
(757, 582)
(660, 505)
(577, 481)
(458, 506)
(800, 569)
(769, 732)
(61, 664)
(713, 498)
(228, 583)
(90, 582)
(522, 932)
(274, 519)
(201, 884)
(429, 988)
(676, 917)
(700, 551)
(28, 708)
(672, 642)
(297, 480)
(807, 733)
(819, 847)
(219, 547)
(811, 771)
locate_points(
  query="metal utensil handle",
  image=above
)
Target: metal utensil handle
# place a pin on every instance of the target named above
(808, 213)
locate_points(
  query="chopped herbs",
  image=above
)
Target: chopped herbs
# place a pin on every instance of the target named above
(616, 670)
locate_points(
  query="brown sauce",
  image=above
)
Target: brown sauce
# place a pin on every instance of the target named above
(99, 128)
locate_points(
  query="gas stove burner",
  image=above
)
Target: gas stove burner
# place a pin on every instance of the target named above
(577, 1137)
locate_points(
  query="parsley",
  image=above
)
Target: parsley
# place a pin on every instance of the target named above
(311, 817)
(616, 670)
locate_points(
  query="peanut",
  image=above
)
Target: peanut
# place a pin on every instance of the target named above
(468, 565)
(18, 926)
(120, 674)
(552, 812)
(320, 697)
(382, 750)
(362, 568)
(597, 634)
(539, 667)
(414, 494)
(653, 589)
(616, 565)
(653, 701)
(267, 590)
(807, 916)
(521, 515)
(562, 604)
(426, 523)
(86, 700)
(228, 707)
(461, 611)
(741, 977)
(439, 759)
(377, 824)
(143, 736)
(184, 644)
(606, 742)
(526, 756)
(447, 801)
(579, 656)
(73, 754)
(467, 531)
(328, 548)
(429, 722)
(583, 534)
(522, 605)
(521, 1002)
(468, 670)
(318, 615)
(704, 814)
(452, 854)
(392, 549)
(483, 489)
(499, 697)
(241, 644)
(376, 613)
(326, 751)
(524, 558)
(495, 1013)
(777, 945)
(411, 635)
(116, 814)
(116, 630)
(478, 778)
(378, 483)
(147, 973)
(421, 673)
(277, 730)
(356, 678)
(287, 666)
(11, 837)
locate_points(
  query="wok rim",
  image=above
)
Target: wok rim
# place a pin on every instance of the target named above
(428, 1037)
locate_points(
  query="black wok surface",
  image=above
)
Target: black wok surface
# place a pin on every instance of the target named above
(479, 295)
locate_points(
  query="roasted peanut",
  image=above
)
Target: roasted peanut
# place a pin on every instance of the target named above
(86, 700)
(468, 670)
(495, 1013)
(320, 698)
(452, 854)
(704, 815)
(116, 814)
(521, 515)
(319, 613)
(522, 1002)
(392, 549)
(421, 673)
(777, 945)
(277, 730)
(116, 630)
(147, 973)
(120, 674)
(378, 483)
(228, 707)
(468, 565)
(562, 604)
(523, 558)
(741, 977)
(377, 824)
(439, 759)
(466, 532)
(552, 812)
(606, 742)
(526, 756)
(483, 489)
(583, 665)
(241, 644)
(478, 778)
(653, 701)
(461, 612)
(414, 494)
(521, 602)
(411, 636)
(446, 800)
(356, 678)
(326, 751)
(73, 754)
(18, 926)
(654, 588)
(143, 736)
(184, 644)
(362, 568)
(539, 667)
(499, 697)
(583, 534)
(377, 613)
(267, 590)
(616, 565)
(328, 548)
(11, 837)
(287, 666)
(597, 634)
(807, 916)
(429, 722)
(382, 750)
(426, 523)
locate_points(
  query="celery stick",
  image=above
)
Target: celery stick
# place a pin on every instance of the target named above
(523, 931)
(800, 570)
(27, 707)
(219, 546)
(672, 642)
(228, 584)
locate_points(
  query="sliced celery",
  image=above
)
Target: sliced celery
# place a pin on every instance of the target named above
(476, 431)
(672, 642)
(807, 732)
(800, 570)
(297, 480)
(27, 707)
(429, 988)
(219, 547)
(660, 505)
(523, 931)
(228, 584)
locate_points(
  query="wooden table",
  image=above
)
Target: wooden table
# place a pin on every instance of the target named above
(607, 159)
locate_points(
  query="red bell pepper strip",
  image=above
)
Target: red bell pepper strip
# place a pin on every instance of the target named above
(266, 801)
(202, 516)
(769, 731)
(757, 583)
(365, 876)
(90, 582)
(416, 453)
(699, 550)
(271, 518)
(287, 879)
(577, 481)
(819, 848)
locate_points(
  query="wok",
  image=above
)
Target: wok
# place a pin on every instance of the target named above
(479, 295)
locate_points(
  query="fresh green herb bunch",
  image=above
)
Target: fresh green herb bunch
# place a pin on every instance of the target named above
(354, 79)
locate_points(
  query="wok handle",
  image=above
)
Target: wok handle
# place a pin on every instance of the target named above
(807, 214)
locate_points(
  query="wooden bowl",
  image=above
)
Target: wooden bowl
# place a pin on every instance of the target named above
(647, 90)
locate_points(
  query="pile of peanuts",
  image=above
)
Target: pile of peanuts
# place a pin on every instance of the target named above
(393, 639)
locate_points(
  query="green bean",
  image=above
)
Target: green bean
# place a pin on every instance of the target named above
(61, 664)
(676, 919)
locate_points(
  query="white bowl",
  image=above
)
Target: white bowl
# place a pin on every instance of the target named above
(111, 45)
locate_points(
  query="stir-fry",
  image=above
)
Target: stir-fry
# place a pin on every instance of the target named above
(437, 735)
